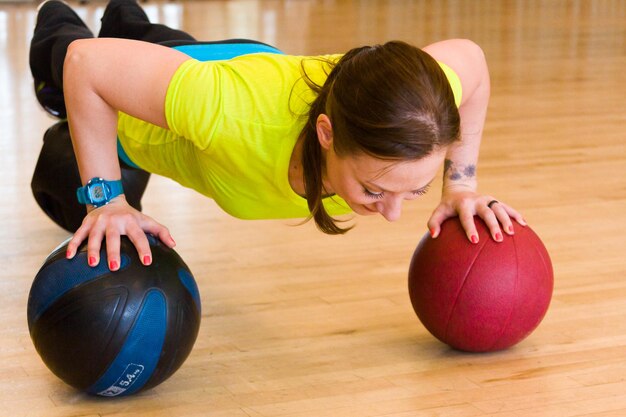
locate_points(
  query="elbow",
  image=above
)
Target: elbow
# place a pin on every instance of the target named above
(80, 75)
(477, 59)
(76, 59)
(473, 52)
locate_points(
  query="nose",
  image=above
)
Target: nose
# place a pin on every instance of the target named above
(390, 208)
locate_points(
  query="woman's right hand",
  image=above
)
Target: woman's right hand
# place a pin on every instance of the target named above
(111, 222)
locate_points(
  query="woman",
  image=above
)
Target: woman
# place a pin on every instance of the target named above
(266, 135)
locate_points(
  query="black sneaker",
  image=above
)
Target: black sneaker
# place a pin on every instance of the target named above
(51, 99)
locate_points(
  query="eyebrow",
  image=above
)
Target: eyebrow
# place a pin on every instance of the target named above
(387, 191)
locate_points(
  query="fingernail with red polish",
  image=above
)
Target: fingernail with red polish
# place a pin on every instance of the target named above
(432, 232)
(147, 260)
(498, 237)
(92, 261)
(113, 265)
(474, 239)
(68, 254)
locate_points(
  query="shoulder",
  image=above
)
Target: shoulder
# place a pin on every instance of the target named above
(278, 63)
(465, 58)
(457, 53)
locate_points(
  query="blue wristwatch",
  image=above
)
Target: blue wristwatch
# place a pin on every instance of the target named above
(99, 192)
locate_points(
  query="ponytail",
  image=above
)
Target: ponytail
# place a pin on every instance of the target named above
(312, 159)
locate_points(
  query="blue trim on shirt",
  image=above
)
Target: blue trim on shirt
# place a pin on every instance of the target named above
(121, 153)
(220, 51)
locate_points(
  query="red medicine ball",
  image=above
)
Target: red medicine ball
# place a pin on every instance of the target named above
(480, 297)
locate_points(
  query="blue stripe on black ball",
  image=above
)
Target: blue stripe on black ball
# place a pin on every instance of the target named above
(114, 333)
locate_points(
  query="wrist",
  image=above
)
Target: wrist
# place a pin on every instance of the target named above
(469, 185)
(99, 192)
(460, 175)
(120, 199)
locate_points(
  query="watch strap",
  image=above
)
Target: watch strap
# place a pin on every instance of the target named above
(110, 190)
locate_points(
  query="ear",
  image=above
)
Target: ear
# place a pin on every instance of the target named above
(324, 131)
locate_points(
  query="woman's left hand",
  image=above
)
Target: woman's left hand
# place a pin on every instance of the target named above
(466, 204)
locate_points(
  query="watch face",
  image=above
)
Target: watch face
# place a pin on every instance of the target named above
(96, 192)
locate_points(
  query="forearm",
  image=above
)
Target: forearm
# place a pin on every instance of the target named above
(104, 76)
(460, 168)
(462, 157)
(468, 60)
(92, 121)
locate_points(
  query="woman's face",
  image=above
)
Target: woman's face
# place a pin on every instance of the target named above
(370, 185)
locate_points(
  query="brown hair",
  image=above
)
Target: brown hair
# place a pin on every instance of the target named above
(390, 101)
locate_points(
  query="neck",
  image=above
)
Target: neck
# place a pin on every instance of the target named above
(296, 173)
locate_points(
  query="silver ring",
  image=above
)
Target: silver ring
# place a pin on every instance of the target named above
(492, 202)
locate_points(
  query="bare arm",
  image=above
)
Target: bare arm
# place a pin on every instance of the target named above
(102, 77)
(468, 61)
(460, 183)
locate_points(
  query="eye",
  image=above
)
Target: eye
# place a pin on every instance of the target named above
(371, 194)
(421, 191)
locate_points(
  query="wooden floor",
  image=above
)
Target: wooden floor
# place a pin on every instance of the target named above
(296, 323)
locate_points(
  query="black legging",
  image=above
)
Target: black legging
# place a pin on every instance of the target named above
(58, 25)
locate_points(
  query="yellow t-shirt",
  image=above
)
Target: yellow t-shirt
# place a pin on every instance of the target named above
(233, 126)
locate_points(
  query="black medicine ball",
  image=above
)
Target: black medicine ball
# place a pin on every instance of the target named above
(114, 333)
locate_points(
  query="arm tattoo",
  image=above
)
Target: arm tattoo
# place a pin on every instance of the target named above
(456, 172)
